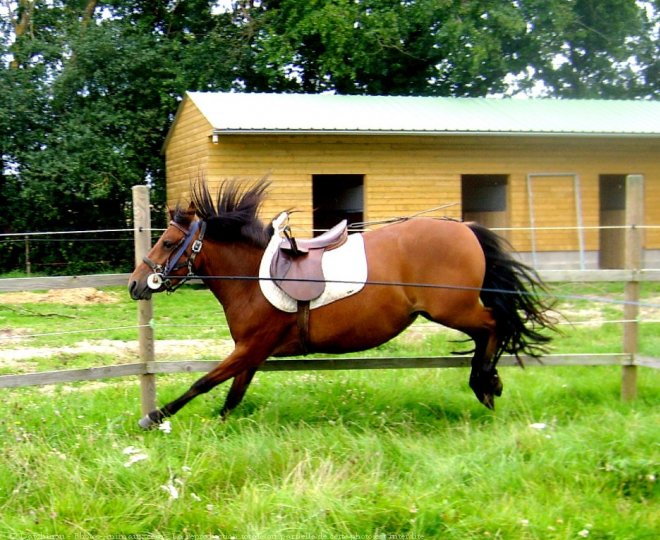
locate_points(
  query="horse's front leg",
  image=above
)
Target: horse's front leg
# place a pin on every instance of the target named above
(242, 358)
(238, 388)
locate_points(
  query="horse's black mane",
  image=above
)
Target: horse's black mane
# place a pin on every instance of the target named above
(233, 215)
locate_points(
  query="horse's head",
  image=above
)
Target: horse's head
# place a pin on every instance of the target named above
(170, 262)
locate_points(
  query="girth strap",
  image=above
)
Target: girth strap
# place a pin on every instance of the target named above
(303, 324)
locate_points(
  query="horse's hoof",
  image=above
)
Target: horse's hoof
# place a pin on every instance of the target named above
(147, 423)
(489, 401)
(496, 385)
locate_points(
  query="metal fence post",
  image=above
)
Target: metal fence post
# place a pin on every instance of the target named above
(633, 261)
(142, 241)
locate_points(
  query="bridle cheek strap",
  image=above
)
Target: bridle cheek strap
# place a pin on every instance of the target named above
(162, 273)
(171, 264)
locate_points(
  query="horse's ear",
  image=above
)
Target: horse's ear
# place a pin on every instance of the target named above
(192, 209)
(171, 212)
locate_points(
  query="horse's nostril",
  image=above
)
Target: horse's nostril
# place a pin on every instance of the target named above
(132, 289)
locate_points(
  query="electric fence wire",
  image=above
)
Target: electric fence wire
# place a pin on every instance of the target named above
(548, 295)
(22, 236)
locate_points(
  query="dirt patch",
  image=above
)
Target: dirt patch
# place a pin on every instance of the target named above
(13, 335)
(417, 333)
(69, 297)
(652, 308)
(570, 314)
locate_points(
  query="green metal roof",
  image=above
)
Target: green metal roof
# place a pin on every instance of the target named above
(236, 113)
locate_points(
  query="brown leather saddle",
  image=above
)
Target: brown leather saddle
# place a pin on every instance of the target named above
(296, 266)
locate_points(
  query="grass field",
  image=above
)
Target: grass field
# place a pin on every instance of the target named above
(386, 454)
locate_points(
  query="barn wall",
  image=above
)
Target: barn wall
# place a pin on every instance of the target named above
(187, 150)
(391, 187)
(409, 174)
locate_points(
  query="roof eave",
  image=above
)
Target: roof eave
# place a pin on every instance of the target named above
(436, 133)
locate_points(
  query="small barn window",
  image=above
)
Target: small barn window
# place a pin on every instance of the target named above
(337, 197)
(612, 191)
(483, 198)
(483, 192)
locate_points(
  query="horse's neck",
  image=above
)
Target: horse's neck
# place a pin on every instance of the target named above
(231, 261)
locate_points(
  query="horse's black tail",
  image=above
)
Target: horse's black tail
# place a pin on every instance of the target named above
(517, 297)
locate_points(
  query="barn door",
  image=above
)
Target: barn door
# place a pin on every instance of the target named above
(337, 197)
(612, 213)
(555, 214)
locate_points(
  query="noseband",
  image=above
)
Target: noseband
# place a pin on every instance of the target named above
(160, 277)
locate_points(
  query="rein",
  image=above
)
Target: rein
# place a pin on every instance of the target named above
(366, 224)
(157, 280)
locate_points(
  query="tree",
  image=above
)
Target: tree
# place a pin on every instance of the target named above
(593, 48)
(569, 48)
(89, 87)
(426, 47)
(99, 92)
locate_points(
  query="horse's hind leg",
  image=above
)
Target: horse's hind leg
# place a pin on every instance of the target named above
(238, 388)
(484, 380)
(479, 324)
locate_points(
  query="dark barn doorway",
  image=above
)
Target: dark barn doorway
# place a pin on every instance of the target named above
(337, 197)
(612, 213)
(484, 199)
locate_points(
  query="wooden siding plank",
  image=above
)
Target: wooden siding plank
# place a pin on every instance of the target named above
(187, 151)
(405, 170)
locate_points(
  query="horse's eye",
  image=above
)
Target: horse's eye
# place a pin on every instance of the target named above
(168, 244)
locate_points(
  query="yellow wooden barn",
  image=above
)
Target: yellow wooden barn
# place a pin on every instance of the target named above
(545, 172)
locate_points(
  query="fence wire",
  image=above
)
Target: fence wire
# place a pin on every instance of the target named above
(39, 237)
(36, 236)
(431, 327)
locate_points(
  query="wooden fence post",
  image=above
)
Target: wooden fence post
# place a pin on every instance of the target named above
(633, 261)
(142, 241)
(28, 262)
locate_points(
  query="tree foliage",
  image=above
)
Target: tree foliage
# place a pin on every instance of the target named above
(595, 48)
(426, 47)
(89, 87)
(571, 48)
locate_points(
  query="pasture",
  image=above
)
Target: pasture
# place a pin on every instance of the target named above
(361, 454)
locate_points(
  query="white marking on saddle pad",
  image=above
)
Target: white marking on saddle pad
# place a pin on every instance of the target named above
(344, 268)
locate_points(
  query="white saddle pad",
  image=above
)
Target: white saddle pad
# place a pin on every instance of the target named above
(344, 268)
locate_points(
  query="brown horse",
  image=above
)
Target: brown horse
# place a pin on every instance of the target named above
(460, 275)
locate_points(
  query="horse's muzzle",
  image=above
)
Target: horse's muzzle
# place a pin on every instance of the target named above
(139, 291)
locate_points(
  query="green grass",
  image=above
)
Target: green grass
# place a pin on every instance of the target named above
(178, 316)
(378, 454)
(329, 454)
